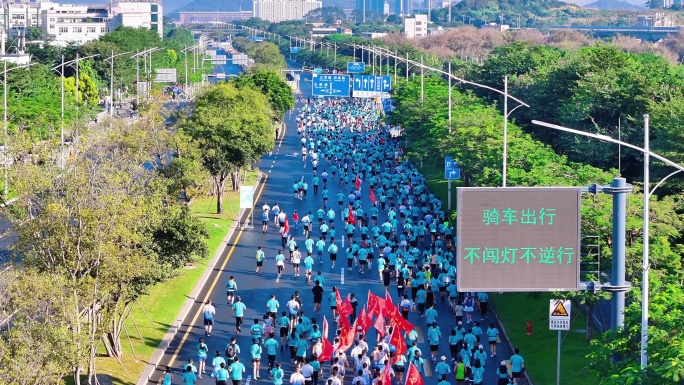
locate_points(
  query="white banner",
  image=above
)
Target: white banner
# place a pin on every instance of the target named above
(246, 197)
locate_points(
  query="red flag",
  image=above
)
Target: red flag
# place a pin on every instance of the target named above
(325, 327)
(389, 305)
(380, 324)
(376, 305)
(397, 341)
(364, 320)
(358, 182)
(350, 218)
(345, 308)
(372, 196)
(327, 353)
(286, 226)
(347, 335)
(386, 376)
(344, 323)
(413, 376)
(398, 321)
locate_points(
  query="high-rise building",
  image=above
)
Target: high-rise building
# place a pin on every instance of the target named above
(281, 10)
(403, 7)
(377, 6)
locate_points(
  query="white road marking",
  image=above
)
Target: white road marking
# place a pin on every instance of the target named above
(342, 276)
(249, 379)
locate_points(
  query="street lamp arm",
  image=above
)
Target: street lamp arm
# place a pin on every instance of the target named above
(414, 63)
(17, 67)
(650, 193)
(145, 52)
(609, 139)
(115, 56)
(514, 108)
(70, 62)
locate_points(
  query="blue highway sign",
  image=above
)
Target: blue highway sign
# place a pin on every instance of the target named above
(295, 49)
(454, 173)
(451, 170)
(330, 85)
(369, 86)
(356, 67)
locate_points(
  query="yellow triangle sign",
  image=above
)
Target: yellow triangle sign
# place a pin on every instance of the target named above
(559, 310)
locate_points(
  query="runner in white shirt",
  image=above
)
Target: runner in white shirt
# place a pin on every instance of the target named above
(297, 378)
(296, 260)
(293, 310)
(209, 313)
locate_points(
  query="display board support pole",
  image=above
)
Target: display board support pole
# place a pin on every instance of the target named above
(558, 359)
(618, 285)
(449, 198)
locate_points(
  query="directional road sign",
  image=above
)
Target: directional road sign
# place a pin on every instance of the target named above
(453, 173)
(388, 106)
(356, 67)
(451, 170)
(369, 86)
(295, 49)
(330, 85)
(559, 314)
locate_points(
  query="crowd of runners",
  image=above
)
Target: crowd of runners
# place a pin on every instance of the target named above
(384, 225)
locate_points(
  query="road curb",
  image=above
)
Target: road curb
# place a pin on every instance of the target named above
(503, 330)
(190, 301)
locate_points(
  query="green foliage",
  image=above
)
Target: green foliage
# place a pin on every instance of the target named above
(87, 89)
(595, 89)
(266, 57)
(233, 128)
(295, 28)
(327, 15)
(272, 85)
(666, 349)
(133, 39)
(179, 239)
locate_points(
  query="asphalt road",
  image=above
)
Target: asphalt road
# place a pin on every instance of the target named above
(282, 168)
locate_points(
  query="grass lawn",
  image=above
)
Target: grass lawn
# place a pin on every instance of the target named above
(515, 309)
(539, 349)
(166, 299)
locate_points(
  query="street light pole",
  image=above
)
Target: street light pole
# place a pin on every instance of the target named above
(505, 132)
(395, 67)
(61, 130)
(450, 106)
(111, 86)
(422, 81)
(647, 194)
(4, 125)
(111, 80)
(645, 260)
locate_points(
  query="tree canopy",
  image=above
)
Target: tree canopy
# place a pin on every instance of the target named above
(234, 128)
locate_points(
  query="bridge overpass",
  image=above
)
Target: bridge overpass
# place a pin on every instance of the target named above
(644, 33)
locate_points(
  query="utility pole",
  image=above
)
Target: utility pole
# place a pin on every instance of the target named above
(77, 93)
(111, 85)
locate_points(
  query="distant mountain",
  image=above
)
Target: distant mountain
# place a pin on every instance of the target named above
(613, 5)
(214, 6)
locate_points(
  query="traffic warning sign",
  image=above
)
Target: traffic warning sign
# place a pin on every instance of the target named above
(559, 314)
